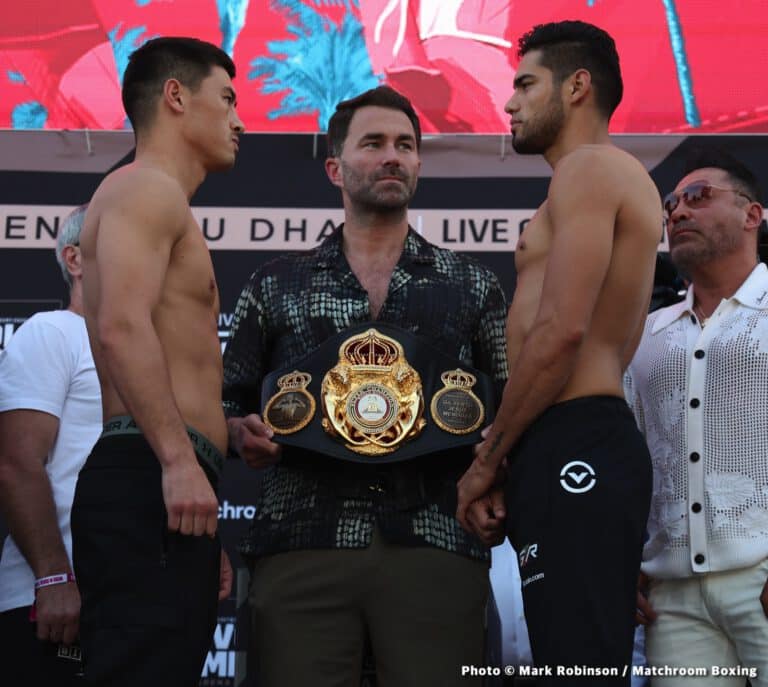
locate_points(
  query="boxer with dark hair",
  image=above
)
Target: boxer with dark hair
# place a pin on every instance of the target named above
(578, 484)
(145, 509)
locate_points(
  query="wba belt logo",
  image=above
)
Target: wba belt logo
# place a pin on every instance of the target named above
(372, 399)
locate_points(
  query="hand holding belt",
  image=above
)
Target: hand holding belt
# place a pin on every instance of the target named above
(371, 382)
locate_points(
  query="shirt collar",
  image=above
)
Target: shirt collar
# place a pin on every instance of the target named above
(416, 250)
(753, 293)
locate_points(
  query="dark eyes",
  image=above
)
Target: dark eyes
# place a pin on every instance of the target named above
(403, 145)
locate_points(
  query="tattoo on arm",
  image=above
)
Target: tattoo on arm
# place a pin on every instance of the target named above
(492, 448)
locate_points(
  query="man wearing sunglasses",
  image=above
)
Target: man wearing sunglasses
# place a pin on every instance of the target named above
(698, 386)
(579, 480)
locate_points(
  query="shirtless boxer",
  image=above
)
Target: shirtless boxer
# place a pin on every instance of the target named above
(145, 509)
(579, 478)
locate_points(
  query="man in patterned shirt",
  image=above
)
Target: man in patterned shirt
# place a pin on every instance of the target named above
(342, 551)
(698, 388)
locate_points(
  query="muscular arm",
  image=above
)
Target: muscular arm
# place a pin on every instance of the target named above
(26, 439)
(582, 206)
(136, 235)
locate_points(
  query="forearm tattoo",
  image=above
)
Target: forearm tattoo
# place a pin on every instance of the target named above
(492, 448)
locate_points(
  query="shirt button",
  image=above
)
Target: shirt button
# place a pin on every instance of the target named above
(699, 354)
(699, 558)
(695, 403)
(694, 457)
(693, 319)
(696, 507)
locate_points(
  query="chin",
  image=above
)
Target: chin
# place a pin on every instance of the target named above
(222, 165)
(523, 147)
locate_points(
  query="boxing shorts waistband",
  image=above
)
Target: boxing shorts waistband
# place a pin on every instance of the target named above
(374, 394)
(205, 451)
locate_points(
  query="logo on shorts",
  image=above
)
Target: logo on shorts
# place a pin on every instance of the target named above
(526, 553)
(577, 477)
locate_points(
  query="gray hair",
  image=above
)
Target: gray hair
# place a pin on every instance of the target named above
(69, 235)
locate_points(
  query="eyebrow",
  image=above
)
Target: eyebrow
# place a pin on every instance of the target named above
(520, 78)
(376, 136)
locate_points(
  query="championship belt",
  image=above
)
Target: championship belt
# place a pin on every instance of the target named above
(385, 395)
(372, 398)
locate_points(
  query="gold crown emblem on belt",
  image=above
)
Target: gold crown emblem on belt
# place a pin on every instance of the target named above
(455, 408)
(372, 398)
(293, 407)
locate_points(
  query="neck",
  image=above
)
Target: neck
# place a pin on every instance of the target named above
(577, 132)
(718, 280)
(161, 150)
(76, 298)
(374, 235)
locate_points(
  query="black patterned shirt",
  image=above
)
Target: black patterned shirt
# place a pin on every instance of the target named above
(286, 310)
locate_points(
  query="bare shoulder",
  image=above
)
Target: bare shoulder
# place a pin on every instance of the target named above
(607, 164)
(603, 174)
(144, 197)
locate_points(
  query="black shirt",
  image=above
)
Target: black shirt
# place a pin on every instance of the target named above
(287, 309)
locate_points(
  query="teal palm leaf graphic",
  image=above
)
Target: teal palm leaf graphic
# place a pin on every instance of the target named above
(231, 22)
(122, 47)
(321, 65)
(683, 69)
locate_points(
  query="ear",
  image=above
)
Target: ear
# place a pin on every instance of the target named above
(578, 85)
(72, 260)
(754, 216)
(173, 95)
(333, 170)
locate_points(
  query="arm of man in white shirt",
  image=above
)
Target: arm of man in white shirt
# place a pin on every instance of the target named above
(26, 439)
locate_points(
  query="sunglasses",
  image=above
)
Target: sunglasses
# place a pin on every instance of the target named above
(695, 195)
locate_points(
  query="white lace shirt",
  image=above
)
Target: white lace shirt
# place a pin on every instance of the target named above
(700, 396)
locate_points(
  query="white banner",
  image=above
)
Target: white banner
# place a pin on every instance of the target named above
(279, 229)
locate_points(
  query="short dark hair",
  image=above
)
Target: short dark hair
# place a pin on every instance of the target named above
(738, 173)
(381, 96)
(566, 46)
(187, 59)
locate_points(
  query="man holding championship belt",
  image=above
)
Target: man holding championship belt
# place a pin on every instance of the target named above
(362, 372)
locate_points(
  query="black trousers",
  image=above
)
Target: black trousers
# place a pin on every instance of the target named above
(28, 661)
(149, 597)
(578, 496)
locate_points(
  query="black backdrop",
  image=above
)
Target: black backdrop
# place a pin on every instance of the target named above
(286, 171)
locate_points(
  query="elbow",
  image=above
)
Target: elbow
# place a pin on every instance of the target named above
(113, 332)
(108, 335)
(571, 338)
(562, 338)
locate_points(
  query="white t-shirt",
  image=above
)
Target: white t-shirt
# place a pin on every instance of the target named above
(48, 367)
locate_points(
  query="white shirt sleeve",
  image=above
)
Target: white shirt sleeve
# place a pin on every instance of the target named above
(36, 368)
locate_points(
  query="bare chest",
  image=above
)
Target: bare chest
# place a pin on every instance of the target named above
(375, 280)
(533, 246)
(190, 275)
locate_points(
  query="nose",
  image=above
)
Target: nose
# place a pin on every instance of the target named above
(237, 123)
(681, 210)
(391, 155)
(680, 213)
(511, 105)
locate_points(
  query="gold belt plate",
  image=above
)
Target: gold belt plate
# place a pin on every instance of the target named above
(372, 398)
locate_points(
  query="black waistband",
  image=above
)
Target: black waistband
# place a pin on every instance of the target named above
(205, 451)
(428, 361)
